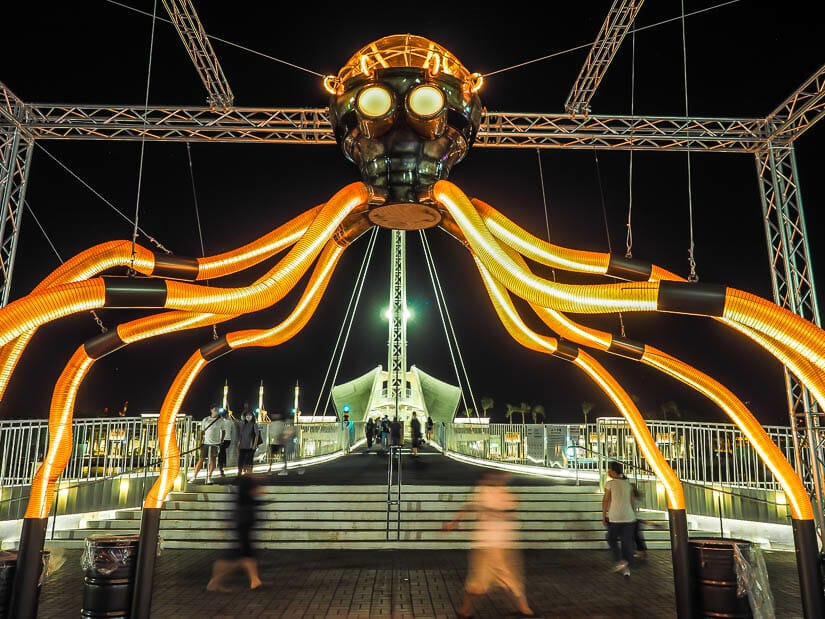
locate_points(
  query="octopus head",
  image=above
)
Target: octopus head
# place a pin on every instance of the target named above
(405, 111)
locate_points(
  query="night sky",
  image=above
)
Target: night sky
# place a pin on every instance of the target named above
(743, 59)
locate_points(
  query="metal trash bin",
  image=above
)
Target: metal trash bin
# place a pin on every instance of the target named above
(109, 564)
(714, 569)
(8, 567)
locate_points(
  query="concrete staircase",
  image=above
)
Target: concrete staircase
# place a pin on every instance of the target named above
(355, 517)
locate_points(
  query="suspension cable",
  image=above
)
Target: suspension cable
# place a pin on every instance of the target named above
(692, 277)
(230, 43)
(587, 45)
(629, 237)
(143, 139)
(601, 196)
(148, 236)
(99, 322)
(544, 201)
(441, 302)
(346, 324)
(198, 220)
(604, 217)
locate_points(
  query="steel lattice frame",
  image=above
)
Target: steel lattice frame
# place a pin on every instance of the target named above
(793, 288)
(397, 361)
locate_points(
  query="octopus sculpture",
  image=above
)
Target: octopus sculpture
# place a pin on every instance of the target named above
(404, 110)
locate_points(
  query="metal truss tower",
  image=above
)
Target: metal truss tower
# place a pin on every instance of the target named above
(397, 354)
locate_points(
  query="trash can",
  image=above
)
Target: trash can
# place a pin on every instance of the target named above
(109, 563)
(714, 569)
(8, 566)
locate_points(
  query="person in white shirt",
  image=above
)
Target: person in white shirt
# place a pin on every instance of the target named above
(213, 435)
(619, 517)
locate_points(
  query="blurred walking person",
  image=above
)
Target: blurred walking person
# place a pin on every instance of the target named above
(369, 432)
(493, 558)
(619, 517)
(246, 504)
(249, 436)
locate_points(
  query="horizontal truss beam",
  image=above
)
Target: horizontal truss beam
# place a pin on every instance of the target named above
(311, 126)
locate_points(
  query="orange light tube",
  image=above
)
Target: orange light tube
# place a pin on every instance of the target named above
(738, 413)
(105, 256)
(39, 308)
(298, 318)
(60, 435)
(528, 338)
(795, 332)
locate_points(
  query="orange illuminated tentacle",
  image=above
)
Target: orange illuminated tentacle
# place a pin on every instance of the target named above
(551, 255)
(769, 453)
(298, 318)
(767, 450)
(212, 267)
(105, 256)
(530, 339)
(60, 436)
(168, 445)
(548, 254)
(797, 333)
(36, 309)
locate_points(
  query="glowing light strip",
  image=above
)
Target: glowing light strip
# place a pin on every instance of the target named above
(186, 376)
(169, 452)
(35, 309)
(768, 452)
(528, 338)
(673, 487)
(60, 436)
(722, 397)
(302, 312)
(638, 296)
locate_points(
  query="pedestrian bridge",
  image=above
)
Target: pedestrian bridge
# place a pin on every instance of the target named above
(113, 463)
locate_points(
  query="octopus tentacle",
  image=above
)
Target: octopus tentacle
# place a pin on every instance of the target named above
(39, 308)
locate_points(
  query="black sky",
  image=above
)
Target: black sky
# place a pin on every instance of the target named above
(743, 59)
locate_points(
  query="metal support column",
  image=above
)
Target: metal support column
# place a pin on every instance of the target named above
(397, 356)
(15, 155)
(793, 288)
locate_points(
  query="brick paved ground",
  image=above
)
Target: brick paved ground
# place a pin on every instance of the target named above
(398, 584)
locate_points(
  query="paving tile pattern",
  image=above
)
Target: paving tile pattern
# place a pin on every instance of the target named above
(405, 584)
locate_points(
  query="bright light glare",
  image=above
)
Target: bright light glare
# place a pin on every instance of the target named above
(387, 313)
(426, 101)
(374, 101)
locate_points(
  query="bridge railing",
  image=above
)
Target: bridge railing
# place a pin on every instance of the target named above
(703, 453)
(100, 447)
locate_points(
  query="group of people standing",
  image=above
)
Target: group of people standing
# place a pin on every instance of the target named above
(386, 433)
(220, 429)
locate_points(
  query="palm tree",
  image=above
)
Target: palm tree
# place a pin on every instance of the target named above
(670, 408)
(486, 404)
(468, 412)
(509, 414)
(524, 408)
(586, 408)
(538, 413)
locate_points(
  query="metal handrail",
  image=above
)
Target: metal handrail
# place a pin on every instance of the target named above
(701, 453)
(394, 455)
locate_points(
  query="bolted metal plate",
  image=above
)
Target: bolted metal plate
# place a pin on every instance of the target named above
(405, 216)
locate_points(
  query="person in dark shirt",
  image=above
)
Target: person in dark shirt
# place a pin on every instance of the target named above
(369, 432)
(245, 515)
(395, 432)
(415, 427)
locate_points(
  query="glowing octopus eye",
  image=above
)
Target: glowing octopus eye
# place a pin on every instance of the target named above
(426, 101)
(374, 101)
